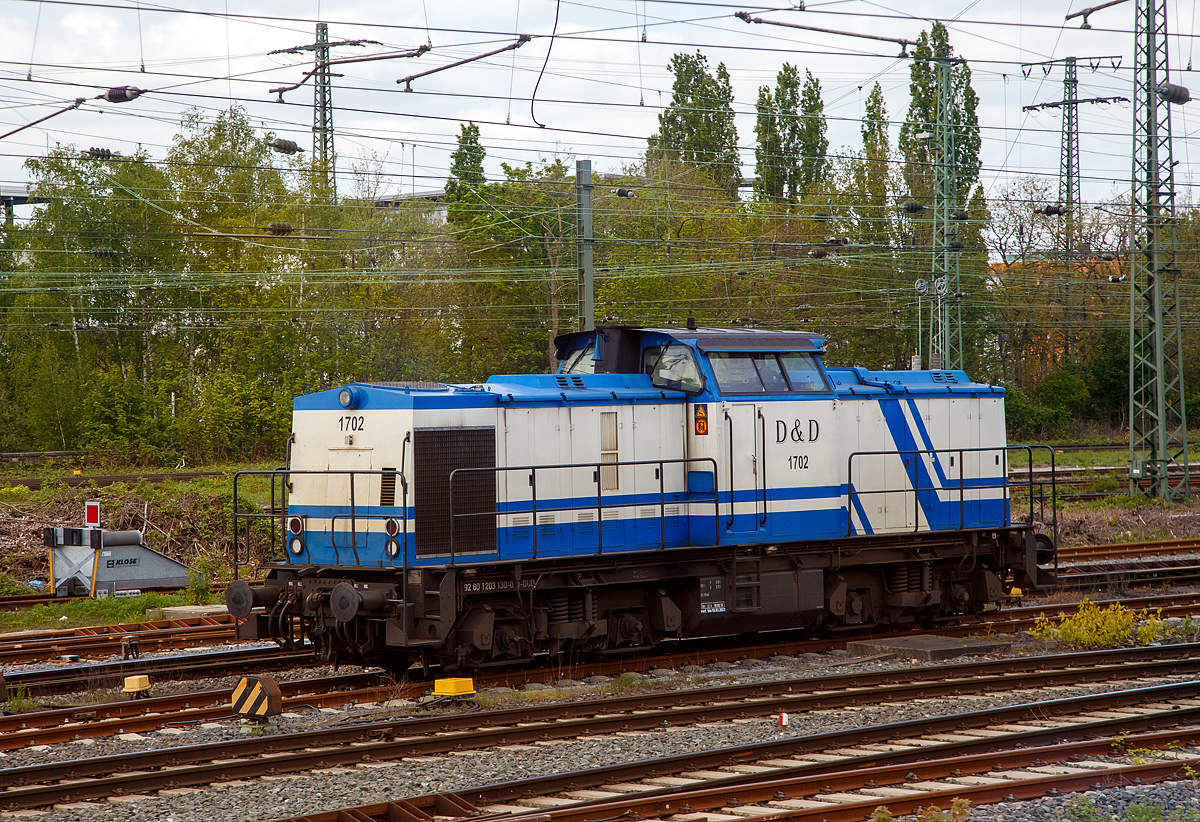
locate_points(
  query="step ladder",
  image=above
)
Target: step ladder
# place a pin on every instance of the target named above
(747, 579)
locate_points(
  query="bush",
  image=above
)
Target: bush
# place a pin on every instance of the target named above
(1095, 627)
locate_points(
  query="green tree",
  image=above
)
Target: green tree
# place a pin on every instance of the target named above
(697, 126)
(917, 150)
(770, 171)
(787, 100)
(466, 179)
(813, 144)
(873, 181)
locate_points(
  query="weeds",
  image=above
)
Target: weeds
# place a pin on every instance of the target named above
(19, 700)
(1094, 627)
(959, 812)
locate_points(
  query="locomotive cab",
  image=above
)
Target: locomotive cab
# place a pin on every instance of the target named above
(664, 484)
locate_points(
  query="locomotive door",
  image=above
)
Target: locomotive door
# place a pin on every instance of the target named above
(349, 495)
(744, 512)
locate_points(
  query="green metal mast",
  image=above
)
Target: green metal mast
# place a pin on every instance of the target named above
(946, 244)
(1157, 419)
(323, 109)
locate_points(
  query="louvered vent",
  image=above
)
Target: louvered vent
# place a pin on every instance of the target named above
(943, 376)
(437, 452)
(387, 488)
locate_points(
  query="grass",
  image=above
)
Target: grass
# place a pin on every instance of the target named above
(81, 612)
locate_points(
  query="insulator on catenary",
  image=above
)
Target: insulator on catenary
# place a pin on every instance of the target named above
(94, 153)
(627, 193)
(285, 146)
(960, 216)
(280, 229)
(1052, 210)
(102, 251)
(912, 207)
(1174, 94)
(822, 216)
(122, 94)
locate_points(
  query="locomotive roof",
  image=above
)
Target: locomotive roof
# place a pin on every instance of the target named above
(705, 338)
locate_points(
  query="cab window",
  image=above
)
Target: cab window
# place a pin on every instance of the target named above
(579, 361)
(740, 372)
(803, 372)
(676, 370)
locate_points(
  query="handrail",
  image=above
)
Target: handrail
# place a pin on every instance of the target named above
(599, 506)
(1003, 481)
(284, 475)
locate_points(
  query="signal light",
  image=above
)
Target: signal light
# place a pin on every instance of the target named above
(122, 94)
(392, 548)
(296, 525)
(280, 229)
(391, 527)
(296, 545)
(285, 146)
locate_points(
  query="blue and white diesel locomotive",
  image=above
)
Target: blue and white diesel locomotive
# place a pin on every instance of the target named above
(664, 484)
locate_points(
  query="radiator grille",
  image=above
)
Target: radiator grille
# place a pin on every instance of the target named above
(436, 453)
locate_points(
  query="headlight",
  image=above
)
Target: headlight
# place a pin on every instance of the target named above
(349, 397)
(392, 548)
(296, 545)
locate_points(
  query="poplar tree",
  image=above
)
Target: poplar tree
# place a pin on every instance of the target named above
(697, 127)
(873, 174)
(813, 144)
(919, 151)
(787, 101)
(466, 180)
(769, 166)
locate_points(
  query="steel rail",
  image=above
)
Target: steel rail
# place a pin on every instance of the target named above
(177, 767)
(47, 727)
(335, 748)
(209, 663)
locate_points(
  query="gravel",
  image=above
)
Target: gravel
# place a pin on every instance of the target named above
(291, 795)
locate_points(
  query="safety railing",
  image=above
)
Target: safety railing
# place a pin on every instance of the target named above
(953, 485)
(600, 505)
(280, 481)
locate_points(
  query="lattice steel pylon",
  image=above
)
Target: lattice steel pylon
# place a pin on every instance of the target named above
(1157, 419)
(1069, 197)
(323, 109)
(946, 245)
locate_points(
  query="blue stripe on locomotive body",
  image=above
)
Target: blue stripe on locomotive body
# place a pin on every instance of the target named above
(589, 463)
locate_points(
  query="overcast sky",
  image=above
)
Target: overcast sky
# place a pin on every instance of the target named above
(602, 87)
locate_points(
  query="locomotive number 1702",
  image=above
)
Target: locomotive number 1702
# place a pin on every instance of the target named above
(351, 424)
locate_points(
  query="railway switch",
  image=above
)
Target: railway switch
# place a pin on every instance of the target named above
(258, 697)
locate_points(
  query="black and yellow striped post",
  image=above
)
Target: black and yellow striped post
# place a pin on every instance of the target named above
(258, 697)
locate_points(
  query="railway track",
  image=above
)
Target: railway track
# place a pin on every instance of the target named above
(101, 480)
(1147, 708)
(105, 719)
(248, 660)
(104, 640)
